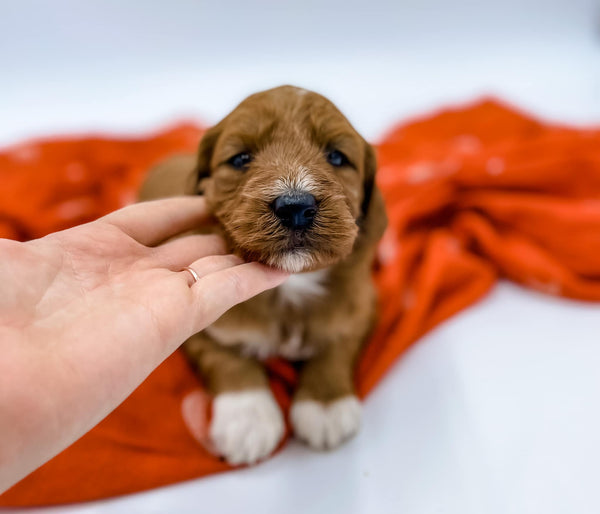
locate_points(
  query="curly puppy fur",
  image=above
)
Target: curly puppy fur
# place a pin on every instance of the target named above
(293, 144)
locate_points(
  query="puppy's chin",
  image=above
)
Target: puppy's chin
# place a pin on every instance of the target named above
(294, 261)
(298, 258)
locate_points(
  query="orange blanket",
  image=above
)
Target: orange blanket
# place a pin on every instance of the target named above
(473, 195)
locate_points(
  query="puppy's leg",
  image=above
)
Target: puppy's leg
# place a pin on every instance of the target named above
(247, 423)
(326, 411)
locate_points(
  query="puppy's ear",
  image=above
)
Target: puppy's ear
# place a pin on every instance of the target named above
(373, 218)
(205, 151)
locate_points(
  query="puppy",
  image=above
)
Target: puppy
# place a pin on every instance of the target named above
(292, 185)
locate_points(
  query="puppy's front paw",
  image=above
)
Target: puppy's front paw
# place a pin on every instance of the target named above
(325, 426)
(246, 425)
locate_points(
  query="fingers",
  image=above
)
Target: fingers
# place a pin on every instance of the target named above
(217, 292)
(211, 264)
(178, 253)
(153, 222)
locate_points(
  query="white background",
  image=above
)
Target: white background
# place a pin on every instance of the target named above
(496, 411)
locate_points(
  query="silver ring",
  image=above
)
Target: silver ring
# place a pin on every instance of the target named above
(193, 273)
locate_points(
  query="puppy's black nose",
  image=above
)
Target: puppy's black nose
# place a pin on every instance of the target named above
(295, 211)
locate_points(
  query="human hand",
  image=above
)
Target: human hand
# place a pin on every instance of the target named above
(87, 313)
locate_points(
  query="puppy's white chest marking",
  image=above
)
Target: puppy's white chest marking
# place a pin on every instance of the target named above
(262, 345)
(303, 286)
(293, 349)
(256, 343)
(267, 341)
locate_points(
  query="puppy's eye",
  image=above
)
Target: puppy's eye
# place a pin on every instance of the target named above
(240, 161)
(337, 159)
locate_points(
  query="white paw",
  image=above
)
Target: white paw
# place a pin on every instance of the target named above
(246, 426)
(325, 426)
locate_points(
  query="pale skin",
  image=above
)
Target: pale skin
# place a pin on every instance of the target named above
(87, 313)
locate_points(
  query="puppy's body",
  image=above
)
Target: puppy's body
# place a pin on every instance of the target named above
(291, 184)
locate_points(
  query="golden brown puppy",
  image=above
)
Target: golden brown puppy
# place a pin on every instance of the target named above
(291, 184)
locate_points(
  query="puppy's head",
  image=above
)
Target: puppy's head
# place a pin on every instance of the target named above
(288, 178)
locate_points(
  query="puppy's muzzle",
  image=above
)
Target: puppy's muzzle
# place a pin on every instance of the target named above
(295, 211)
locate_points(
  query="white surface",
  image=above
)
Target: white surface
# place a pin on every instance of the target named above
(69, 65)
(496, 411)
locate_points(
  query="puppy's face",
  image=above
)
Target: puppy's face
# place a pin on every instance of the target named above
(288, 178)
